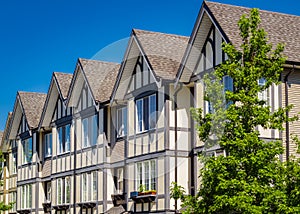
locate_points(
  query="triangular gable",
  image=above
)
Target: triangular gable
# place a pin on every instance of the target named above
(27, 112)
(134, 55)
(92, 82)
(205, 46)
(58, 91)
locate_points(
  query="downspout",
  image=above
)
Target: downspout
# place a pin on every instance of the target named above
(287, 125)
(176, 135)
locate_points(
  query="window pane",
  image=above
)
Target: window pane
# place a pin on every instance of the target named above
(48, 145)
(14, 163)
(147, 175)
(153, 175)
(60, 141)
(152, 111)
(67, 138)
(48, 196)
(67, 189)
(84, 187)
(124, 112)
(94, 191)
(95, 129)
(85, 131)
(140, 115)
(59, 188)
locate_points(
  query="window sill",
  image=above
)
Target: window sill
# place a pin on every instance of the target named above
(89, 147)
(146, 131)
(63, 154)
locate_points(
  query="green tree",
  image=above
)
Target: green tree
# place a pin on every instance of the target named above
(250, 178)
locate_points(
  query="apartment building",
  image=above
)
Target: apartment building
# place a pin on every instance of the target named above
(111, 138)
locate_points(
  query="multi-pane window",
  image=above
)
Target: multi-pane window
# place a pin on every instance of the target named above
(146, 113)
(146, 174)
(63, 190)
(26, 199)
(89, 186)
(27, 151)
(122, 122)
(63, 139)
(48, 145)
(89, 131)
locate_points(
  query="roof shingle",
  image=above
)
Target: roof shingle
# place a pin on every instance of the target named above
(164, 51)
(64, 82)
(32, 104)
(281, 28)
(101, 77)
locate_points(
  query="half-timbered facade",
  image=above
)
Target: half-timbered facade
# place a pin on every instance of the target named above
(24, 131)
(89, 96)
(112, 138)
(151, 122)
(56, 148)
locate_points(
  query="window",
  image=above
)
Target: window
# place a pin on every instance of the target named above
(48, 145)
(27, 151)
(89, 186)
(63, 139)
(89, 131)
(146, 113)
(122, 122)
(26, 200)
(94, 186)
(228, 86)
(14, 201)
(263, 95)
(14, 163)
(63, 190)
(120, 177)
(146, 174)
(48, 191)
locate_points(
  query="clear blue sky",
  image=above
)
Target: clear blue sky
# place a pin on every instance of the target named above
(39, 37)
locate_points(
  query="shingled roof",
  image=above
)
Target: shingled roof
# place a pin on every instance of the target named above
(64, 82)
(32, 104)
(164, 51)
(101, 77)
(281, 28)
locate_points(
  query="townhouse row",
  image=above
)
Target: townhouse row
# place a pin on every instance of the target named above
(111, 138)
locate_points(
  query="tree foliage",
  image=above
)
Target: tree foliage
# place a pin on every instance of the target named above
(250, 178)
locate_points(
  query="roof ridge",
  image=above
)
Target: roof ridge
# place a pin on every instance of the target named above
(30, 92)
(60, 72)
(95, 60)
(167, 34)
(244, 7)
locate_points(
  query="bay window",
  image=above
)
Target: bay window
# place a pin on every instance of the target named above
(146, 174)
(89, 131)
(122, 122)
(146, 113)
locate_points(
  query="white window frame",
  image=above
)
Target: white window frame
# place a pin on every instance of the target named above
(14, 162)
(140, 123)
(88, 129)
(62, 183)
(147, 177)
(26, 196)
(48, 145)
(263, 95)
(26, 153)
(122, 122)
(63, 144)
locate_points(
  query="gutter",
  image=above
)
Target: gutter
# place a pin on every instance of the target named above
(287, 125)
